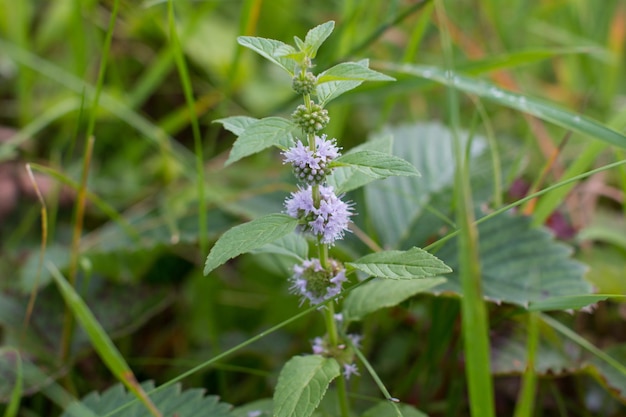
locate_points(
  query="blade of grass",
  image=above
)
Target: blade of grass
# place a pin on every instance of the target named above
(524, 103)
(79, 211)
(187, 89)
(102, 205)
(526, 403)
(474, 317)
(529, 197)
(168, 147)
(44, 242)
(101, 342)
(584, 343)
(16, 395)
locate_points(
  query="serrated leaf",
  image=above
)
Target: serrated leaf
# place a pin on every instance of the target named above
(247, 237)
(236, 124)
(268, 48)
(520, 264)
(609, 376)
(262, 134)
(293, 245)
(302, 383)
(378, 164)
(170, 401)
(378, 294)
(394, 264)
(348, 178)
(331, 90)
(351, 71)
(316, 37)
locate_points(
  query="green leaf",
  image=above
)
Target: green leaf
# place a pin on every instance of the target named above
(269, 49)
(520, 264)
(394, 264)
(247, 237)
(378, 294)
(348, 178)
(171, 401)
(262, 134)
(607, 375)
(539, 108)
(302, 383)
(316, 37)
(236, 124)
(331, 90)
(387, 409)
(407, 211)
(351, 71)
(293, 245)
(378, 164)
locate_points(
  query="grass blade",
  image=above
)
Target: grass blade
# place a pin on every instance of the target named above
(101, 342)
(536, 107)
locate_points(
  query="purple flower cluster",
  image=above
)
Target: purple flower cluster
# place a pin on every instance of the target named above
(315, 283)
(312, 166)
(329, 220)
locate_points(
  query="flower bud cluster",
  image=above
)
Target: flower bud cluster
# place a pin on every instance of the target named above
(304, 83)
(311, 119)
(312, 166)
(315, 283)
(343, 353)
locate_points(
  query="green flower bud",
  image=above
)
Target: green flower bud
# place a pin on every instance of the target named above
(304, 83)
(313, 120)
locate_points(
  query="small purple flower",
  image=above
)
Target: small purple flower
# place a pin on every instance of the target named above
(329, 221)
(316, 284)
(319, 346)
(350, 369)
(312, 167)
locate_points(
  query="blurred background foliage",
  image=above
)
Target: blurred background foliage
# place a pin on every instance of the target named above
(140, 257)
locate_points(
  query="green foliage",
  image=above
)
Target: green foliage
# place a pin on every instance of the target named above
(170, 401)
(411, 264)
(383, 293)
(247, 237)
(262, 134)
(377, 164)
(302, 383)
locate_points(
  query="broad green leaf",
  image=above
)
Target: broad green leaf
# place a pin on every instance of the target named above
(247, 237)
(236, 124)
(394, 264)
(293, 245)
(351, 71)
(331, 90)
(378, 294)
(520, 264)
(268, 49)
(387, 409)
(539, 108)
(348, 178)
(378, 164)
(171, 401)
(316, 37)
(407, 211)
(302, 383)
(262, 134)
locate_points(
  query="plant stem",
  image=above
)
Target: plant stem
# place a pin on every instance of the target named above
(526, 402)
(333, 338)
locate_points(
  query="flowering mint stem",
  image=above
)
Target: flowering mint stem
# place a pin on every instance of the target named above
(333, 338)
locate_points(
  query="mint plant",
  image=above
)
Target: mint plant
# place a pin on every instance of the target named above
(318, 210)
